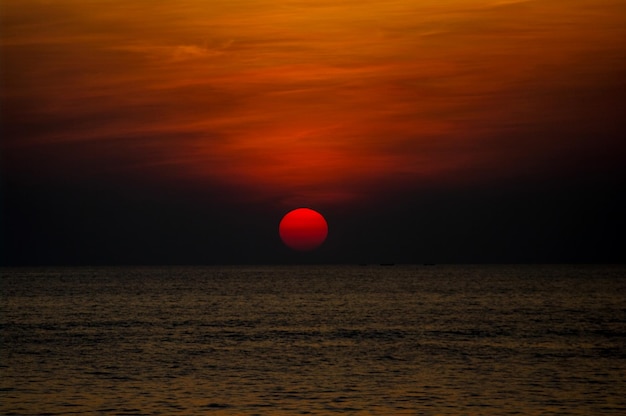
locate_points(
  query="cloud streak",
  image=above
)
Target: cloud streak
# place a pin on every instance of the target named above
(313, 100)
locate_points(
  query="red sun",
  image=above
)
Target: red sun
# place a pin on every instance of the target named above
(303, 229)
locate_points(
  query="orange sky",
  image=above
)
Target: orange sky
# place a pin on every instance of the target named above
(312, 101)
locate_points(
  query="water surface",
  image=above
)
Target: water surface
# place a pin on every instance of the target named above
(438, 340)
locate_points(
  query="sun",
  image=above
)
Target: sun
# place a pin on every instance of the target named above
(303, 229)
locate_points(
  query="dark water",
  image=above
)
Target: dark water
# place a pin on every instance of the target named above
(418, 340)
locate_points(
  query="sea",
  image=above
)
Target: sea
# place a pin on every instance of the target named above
(314, 340)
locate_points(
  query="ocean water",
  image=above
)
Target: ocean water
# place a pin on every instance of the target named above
(361, 340)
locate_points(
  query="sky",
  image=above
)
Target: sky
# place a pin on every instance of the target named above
(425, 131)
